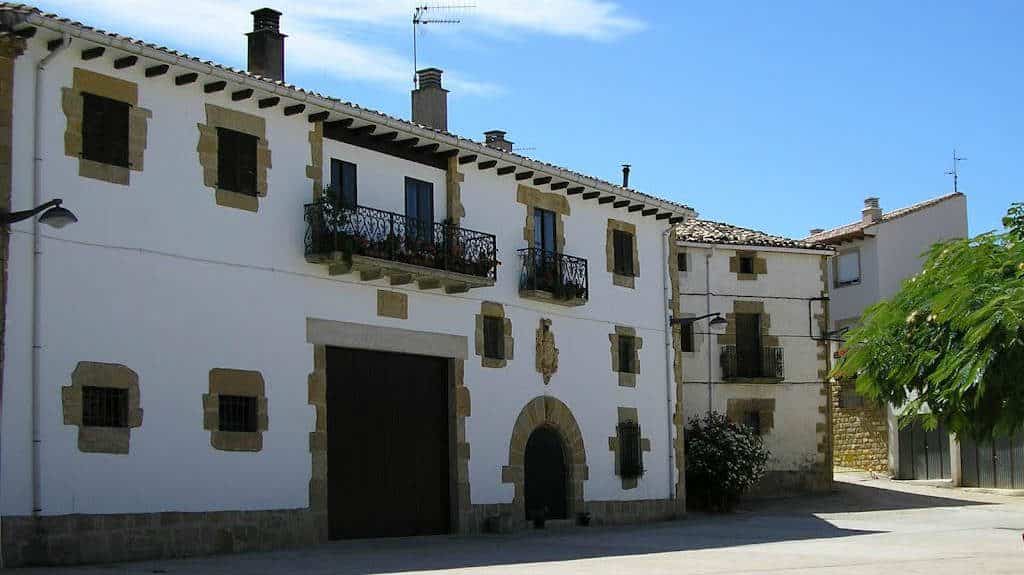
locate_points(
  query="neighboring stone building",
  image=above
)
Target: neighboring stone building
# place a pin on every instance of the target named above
(283, 318)
(769, 369)
(874, 255)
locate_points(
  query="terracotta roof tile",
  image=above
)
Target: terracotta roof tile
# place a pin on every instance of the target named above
(855, 229)
(709, 232)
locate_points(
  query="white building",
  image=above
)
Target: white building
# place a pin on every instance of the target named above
(769, 369)
(874, 255)
(222, 356)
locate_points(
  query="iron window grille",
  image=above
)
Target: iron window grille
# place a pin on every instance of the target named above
(623, 252)
(630, 453)
(104, 406)
(105, 134)
(237, 413)
(494, 337)
(767, 362)
(746, 264)
(849, 398)
(236, 161)
(627, 349)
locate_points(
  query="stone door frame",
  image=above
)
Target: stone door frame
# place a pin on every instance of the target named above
(322, 333)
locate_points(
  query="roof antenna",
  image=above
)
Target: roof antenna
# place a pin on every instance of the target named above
(419, 16)
(955, 172)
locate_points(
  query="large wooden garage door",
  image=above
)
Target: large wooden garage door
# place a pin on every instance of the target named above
(923, 454)
(387, 444)
(998, 464)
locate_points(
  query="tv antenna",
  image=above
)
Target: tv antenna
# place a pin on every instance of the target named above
(955, 171)
(420, 16)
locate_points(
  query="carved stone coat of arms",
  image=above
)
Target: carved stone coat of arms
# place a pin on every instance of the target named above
(547, 353)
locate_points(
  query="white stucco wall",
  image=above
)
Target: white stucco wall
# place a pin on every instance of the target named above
(792, 279)
(159, 278)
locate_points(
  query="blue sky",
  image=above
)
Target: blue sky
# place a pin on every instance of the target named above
(778, 115)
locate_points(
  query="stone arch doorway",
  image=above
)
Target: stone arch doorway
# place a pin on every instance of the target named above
(556, 423)
(544, 475)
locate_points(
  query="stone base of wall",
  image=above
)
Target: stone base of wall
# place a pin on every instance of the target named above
(73, 539)
(860, 436)
(788, 483)
(500, 518)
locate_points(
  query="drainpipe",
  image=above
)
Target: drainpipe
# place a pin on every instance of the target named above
(707, 297)
(37, 192)
(668, 236)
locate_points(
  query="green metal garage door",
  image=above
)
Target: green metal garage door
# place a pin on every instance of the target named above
(998, 464)
(923, 454)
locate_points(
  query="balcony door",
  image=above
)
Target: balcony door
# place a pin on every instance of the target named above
(419, 209)
(544, 247)
(748, 344)
(544, 230)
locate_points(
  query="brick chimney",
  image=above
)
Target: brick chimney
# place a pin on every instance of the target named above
(625, 175)
(871, 212)
(266, 44)
(430, 100)
(496, 139)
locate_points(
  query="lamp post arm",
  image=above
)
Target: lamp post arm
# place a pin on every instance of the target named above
(686, 320)
(14, 217)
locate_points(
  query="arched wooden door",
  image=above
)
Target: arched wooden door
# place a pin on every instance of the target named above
(545, 475)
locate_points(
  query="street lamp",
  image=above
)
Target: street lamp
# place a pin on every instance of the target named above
(54, 215)
(716, 324)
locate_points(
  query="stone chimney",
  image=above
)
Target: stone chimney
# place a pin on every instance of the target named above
(496, 139)
(430, 100)
(871, 212)
(625, 175)
(816, 231)
(266, 44)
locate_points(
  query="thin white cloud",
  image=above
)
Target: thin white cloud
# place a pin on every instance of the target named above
(335, 37)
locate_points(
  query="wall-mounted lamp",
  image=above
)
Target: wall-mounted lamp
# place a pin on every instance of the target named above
(54, 215)
(717, 325)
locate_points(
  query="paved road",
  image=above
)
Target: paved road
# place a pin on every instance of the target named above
(868, 526)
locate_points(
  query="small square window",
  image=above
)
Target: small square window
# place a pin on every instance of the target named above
(237, 413)
(686, 337)
(746, 264)
(236, 161)
(681, 262)
(627, 351)
(104, 406)
(631, 463)
(847, 268)
(494, 337)
(105, 133)
(623, 252)
(752, 419)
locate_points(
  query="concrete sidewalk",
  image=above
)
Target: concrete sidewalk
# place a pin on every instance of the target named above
(867, 526)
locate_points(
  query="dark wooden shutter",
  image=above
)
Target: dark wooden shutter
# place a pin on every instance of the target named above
(630, 454)
(343, 183)
(116, 132)
(237, 413)
(227, 173)
(105, 133)
(246, 147)
(236, 161)
(681, 262)
(623, 252)
(494, 337)
(626, 352)
(686, 337)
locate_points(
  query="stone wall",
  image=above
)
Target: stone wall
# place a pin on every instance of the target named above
(860, 436)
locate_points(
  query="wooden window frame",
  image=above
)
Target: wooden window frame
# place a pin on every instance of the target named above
(233, 174)
(341, 183)
(622, 249)
(106, 140)
(630, 450)
(627, 354)
(494, 337)
(113, 399)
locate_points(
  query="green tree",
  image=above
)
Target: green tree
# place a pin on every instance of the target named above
(952, 338)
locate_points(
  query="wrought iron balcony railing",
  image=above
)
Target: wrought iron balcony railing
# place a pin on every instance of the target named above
(764, 362)
(363, 231)
(563, 276)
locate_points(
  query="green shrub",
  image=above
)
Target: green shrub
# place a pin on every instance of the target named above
(723, 460)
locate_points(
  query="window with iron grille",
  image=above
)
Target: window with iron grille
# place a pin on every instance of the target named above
(237, 413)
(746, 264)
(849, 398)
(681, 261)
(494, 337)
(627, 351)
(236, 161)
(104, 406)
(622, 252)
(630, 453)
(105, 130)
(686, 337)
(752, 419)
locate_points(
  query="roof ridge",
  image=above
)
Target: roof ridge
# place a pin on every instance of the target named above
(854, 226)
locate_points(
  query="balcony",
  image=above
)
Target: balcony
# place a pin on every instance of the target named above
(765, 363)
(552, 277)
(376, 243)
